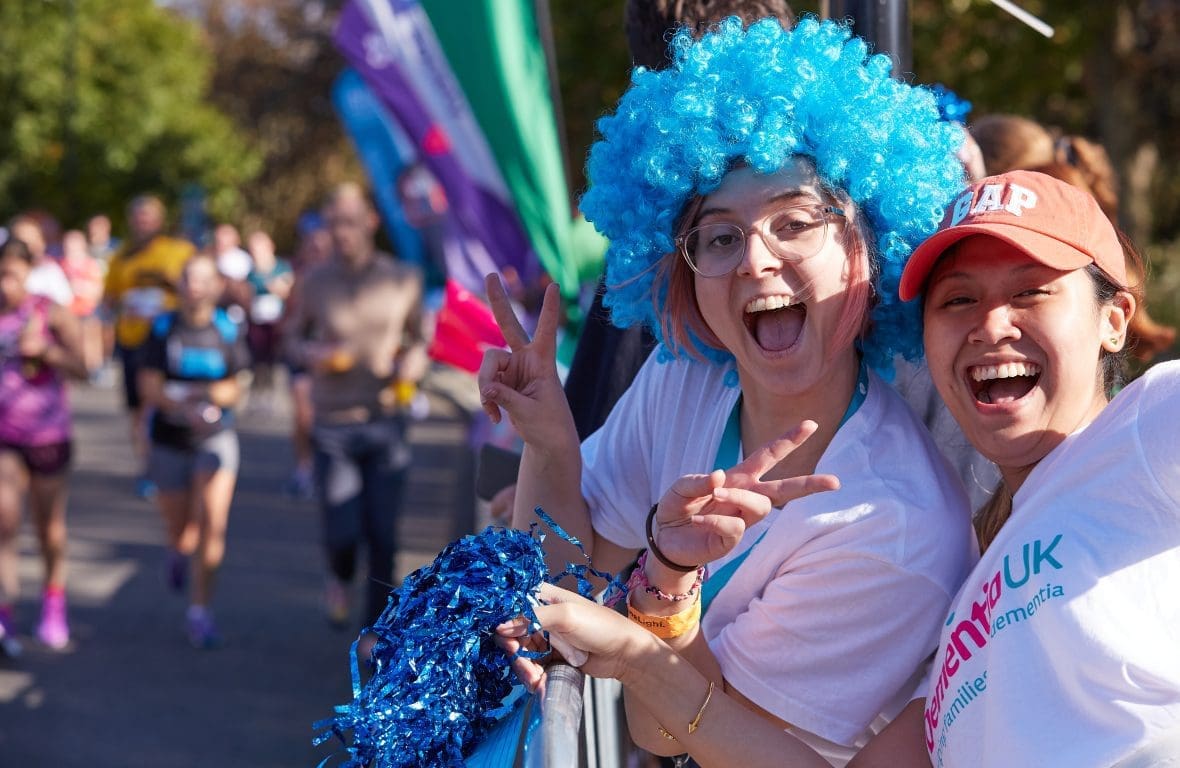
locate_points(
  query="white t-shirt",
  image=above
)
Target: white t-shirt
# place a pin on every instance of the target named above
(1064, 646)
(234, 264)
(48, 279)
(980, 477)
(829, 617)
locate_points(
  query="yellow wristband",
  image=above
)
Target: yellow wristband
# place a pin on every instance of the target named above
(405, 391)
(666, 627)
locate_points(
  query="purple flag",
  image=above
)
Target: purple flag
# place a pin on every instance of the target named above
(392, 45)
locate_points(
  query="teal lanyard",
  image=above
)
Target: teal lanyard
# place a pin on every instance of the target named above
(727, 455)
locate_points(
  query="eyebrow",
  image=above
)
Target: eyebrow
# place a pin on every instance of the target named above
(784, 197)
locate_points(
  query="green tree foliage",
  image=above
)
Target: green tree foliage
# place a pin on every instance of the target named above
(593, 67)
(276, 63)
(104, 99)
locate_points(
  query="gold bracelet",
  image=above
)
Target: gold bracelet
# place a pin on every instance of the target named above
(666, 627)
(696, 721)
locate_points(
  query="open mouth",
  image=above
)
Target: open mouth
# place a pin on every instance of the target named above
(1004, 383)
(775, 322)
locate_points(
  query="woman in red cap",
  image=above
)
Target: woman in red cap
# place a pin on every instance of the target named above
(1060, 649)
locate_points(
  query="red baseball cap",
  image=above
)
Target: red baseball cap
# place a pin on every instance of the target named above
(1053, 222)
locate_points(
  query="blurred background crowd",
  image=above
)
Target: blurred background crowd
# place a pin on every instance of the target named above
(242, 262)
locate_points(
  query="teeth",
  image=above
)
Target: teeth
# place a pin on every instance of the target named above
(767, 303)
(1004, 371)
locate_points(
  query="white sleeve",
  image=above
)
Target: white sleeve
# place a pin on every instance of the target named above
(1157, 420)
(63, 294)
(978, 475)
(49, 280)
(617, 463)
(833, 641)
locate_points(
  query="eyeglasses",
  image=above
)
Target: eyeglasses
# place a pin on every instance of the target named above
(792, 234)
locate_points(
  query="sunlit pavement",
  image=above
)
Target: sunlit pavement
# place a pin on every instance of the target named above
(130, 691)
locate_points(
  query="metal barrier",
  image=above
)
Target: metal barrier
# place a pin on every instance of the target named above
(556, 743)
(579, 724)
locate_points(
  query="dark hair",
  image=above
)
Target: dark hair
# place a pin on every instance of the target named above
(1009, 142)
(649, 24)
(17, 248)
(1105, 290)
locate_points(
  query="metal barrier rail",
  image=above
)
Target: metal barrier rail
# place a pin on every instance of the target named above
(556, 743)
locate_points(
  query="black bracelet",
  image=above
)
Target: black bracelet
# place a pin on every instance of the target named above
(651, 546)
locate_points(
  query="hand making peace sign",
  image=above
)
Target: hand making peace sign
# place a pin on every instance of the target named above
(702, 517)
(522, 380)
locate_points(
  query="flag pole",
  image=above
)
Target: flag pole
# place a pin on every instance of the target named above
(883, 23)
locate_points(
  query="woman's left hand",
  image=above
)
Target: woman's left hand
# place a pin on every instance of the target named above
(703, 517)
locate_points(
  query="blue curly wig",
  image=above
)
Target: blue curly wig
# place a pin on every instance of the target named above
(762, 96)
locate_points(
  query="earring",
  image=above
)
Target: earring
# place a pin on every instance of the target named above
(1114, 340)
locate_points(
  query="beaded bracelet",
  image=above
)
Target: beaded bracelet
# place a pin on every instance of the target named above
(639, 580)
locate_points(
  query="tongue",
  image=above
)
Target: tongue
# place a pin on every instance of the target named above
(778, 329)
(1008, 390)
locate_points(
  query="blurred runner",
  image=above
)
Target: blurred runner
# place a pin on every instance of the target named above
(39, 343)
(46, 278)
(98, 238)
(234, 264)
(270, 280)
(315, 247)
(357, 330)
(189, 376)
(140, 284)
(85, 275)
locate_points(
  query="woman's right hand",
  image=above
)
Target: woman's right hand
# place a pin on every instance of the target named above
(703, 517)
(522, 380)
(599, 641)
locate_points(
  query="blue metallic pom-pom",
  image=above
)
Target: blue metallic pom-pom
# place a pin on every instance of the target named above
(438, 677)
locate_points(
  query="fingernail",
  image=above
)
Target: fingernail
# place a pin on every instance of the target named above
(721, 494)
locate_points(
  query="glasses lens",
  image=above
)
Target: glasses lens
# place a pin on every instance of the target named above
(796, 233)
(714, 249)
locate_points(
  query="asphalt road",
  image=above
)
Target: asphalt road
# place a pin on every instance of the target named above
(130, 691)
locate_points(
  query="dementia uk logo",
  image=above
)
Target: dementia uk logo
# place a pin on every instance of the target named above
(952, 695)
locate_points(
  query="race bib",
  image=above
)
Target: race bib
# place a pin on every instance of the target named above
(144, 302)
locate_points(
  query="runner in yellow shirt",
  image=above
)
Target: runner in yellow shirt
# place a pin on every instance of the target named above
(140, 284)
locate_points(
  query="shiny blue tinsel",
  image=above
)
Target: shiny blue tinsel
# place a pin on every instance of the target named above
(438, 677)
(951, 106)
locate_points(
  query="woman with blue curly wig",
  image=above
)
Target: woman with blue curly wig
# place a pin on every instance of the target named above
(801, 535)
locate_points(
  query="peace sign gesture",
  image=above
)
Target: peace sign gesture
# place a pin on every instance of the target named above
(522, 380)
(702, 517)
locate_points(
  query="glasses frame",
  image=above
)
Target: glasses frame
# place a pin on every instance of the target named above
(824, 209)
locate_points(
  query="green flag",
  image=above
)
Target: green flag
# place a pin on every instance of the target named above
(497, 56)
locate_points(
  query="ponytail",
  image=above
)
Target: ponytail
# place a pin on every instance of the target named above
(992, 516)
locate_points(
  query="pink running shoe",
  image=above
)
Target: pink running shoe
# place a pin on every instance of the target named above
(53, 629)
